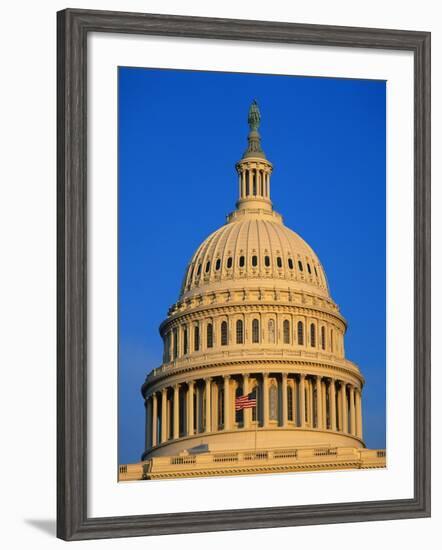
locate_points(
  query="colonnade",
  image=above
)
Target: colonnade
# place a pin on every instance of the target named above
(254, 182)
(206, 405)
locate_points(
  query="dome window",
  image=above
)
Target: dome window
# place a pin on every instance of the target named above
(254, 261)
(196, 338)
(312, 335)
(316, 273)
(224, 334)
(267, 261)
(286, 331)
(210, 335)
(271, 331)
(300, 333)
(218, 264)
(323, 337)
(301, 268)
(185, 342)
(207, 267)
(255, 331)
(242, 261)
(279, 262)
(290, 262)
(239, 332)
(199, 270)
(289, 403)
(229, 262)
(309, 269)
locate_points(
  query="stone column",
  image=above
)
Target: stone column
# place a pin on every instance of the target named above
(176, 411)
(154, 420)
(332, 405)
(227, 402)
(208, 395)
(352, 411)
(302, 400)
(190, 412)
(295, 401)
(148, 425)
(358, 413)
(164, 429)
(284, 400)
(344, 407)
(265, 399)
(319, 416)
(324, 404)
(245, 391)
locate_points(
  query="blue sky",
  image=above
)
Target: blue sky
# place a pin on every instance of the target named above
(180, 134)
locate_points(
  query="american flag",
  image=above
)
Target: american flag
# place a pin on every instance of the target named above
(245, 401)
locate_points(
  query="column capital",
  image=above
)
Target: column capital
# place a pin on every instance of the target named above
(265, 374)
(226, 376)
(176, 386)
(191, 383)
(284, 375)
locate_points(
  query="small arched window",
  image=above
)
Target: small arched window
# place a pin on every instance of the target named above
(316, 272)
(300, 265)
(286, 331)
(255, 331)
(224, 333)
(210, 335)
(242, 261)
(239, 332)
(229, 262)
(290, 262)
(312, 335)
(271, 331)
(185, 342)
(254, 261)
(300, 333)
(218, 264)
(207, 267)
(289, 403)
(196, 338)
(323, 337)
(279, 262)
(309, 269)
(331, 341)
(267, 261)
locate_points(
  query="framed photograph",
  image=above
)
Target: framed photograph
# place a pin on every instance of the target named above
(243, 274)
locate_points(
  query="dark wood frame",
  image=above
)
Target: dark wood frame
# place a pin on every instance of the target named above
(73, 28)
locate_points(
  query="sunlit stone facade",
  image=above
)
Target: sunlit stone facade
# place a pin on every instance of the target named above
(254, 314)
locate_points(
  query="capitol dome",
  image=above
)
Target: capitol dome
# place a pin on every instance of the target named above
(257, 248)
(254, 364)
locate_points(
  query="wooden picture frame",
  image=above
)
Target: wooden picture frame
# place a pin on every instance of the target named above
(74, 25)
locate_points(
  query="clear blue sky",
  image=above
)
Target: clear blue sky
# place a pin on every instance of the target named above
(180, 134)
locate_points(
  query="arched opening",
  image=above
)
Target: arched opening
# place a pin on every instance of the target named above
(210, 335)
(196, 338)
(239, 332)
(300, 333)
(224, 336)
(286, 331)
(255, 331)
(312, 335)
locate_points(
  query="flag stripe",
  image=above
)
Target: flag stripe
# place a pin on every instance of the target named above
(245, 402)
